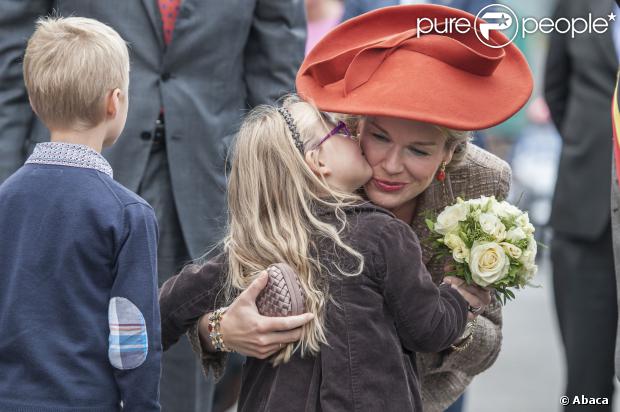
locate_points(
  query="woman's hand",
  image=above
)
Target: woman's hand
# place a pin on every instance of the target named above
(246, 331)
(476, 296)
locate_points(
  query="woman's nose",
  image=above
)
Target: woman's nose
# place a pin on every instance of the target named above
(393, 163)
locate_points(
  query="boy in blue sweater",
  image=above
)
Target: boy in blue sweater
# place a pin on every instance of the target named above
(78, 281)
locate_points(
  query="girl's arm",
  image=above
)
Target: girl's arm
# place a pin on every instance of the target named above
(184, 298)
(428, 318)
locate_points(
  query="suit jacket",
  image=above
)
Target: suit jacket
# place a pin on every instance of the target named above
(224, 58)
(579, 84)
(354, 8)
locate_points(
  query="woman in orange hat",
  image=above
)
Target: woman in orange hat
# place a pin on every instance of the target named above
(417, 86)
(359, 271)
(416, 83)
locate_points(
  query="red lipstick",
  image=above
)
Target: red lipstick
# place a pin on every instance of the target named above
(387, 186)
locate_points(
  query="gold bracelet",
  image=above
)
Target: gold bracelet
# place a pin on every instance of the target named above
(463, 345)
(215, 333)
(471, 326)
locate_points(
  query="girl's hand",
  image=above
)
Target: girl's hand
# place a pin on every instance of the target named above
(477, 297)
(246, 331)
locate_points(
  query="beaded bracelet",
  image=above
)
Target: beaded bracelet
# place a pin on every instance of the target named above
(215, 334)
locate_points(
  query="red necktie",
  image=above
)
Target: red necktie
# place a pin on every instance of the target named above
(169, 9)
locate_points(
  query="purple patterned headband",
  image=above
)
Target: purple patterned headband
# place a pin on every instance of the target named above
(292, 128)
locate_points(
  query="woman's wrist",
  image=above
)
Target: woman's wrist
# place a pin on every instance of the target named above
(210, 331)
(217, 334)
(203, 333)
(465, 339)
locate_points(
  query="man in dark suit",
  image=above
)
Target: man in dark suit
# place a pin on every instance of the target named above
(579, 84)
(196, 67)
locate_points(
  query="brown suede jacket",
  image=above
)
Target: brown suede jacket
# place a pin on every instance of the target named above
(374, 322)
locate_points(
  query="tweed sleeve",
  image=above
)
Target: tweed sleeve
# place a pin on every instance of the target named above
(503, 184)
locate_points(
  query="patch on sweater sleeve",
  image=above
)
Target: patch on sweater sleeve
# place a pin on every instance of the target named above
(128, 342)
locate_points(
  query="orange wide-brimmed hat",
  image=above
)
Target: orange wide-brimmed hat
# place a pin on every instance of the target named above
(378, 65)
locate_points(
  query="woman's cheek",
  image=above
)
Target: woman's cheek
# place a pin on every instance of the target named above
(423, 169)
(371, 152)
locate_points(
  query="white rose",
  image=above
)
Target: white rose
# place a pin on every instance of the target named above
(505, 210)
(524, 222)
(531, 272)
(452, 240)
(475, 212)
(528, 258)
(491, 225)
(529, 229)
(511, 250)
(515, 234)
(488, 263)
(523, 219)
(491, 204)
(483, 202)
(448, 220)
(460, 252)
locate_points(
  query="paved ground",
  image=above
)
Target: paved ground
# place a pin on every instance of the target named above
(529, 373)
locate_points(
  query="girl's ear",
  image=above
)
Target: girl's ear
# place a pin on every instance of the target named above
(314, 161)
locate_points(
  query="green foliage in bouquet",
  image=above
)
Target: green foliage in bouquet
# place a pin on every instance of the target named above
(491, 244)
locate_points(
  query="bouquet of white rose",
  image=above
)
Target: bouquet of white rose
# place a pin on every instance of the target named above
(491, 242)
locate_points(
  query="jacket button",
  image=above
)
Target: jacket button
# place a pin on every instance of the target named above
(145, 135)
(165, 76)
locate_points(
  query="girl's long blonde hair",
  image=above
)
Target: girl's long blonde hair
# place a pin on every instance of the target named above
(272, 200)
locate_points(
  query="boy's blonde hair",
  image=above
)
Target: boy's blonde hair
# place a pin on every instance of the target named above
(273, 197)
(70, 65)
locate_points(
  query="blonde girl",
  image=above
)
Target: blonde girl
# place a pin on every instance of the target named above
(371, 300)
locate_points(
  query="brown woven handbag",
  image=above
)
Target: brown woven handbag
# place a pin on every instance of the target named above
(283, 295)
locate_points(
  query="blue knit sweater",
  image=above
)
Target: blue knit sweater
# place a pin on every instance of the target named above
(78, 288)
